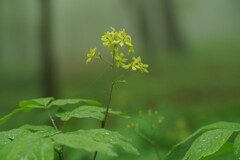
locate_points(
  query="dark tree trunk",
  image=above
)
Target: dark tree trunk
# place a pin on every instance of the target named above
(48, 70)
(173, 38)
(144, 28)
(142, 20)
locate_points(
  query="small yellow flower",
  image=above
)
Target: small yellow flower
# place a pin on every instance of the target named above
(130, 49)
(142, 67)
(135, 63)
(126, 66)
(91, 55)
(125, 39)
(120, 60)
(110, 38)
(107, 40)
(138, 65)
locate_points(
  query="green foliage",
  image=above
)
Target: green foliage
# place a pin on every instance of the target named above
(30, 147)
(39, 142)
(86, 112)
(100, 140)
(42, 130)
(213, 142)
(45, 103)
(63, 102)
(36, 103)
(207, 144)
(236, 147)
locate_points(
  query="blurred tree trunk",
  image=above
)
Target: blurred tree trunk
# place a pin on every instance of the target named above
(142, 21)
(143, 24)
(173, 38)
(47, 64)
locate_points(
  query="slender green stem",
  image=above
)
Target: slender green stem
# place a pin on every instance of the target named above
(108, 106)
(144, 136)
(52, 120)
(60, 152)
(110, 95)
(104, 60)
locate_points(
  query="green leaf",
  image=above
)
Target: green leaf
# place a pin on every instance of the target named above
(29, 147)
(7, 117)
(43, 130)
(37, 128)
(79, 141)
(36, 103)
(226, 148)
(236, 147)
(86, 112)
(100, 140)
(118, 113)
(11, 135)
(208, 143)
(219, 125)
(62, 102)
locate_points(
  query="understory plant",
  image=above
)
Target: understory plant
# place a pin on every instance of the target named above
(47, 142)
(147, 128)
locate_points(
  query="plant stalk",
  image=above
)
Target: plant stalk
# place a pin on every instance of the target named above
(60, 153)
(52, 120)
(110, 96)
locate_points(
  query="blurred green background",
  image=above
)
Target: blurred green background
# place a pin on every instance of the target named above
(191, 46)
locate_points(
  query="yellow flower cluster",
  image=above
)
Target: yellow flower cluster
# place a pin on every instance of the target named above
(114, 40)
(136, 64)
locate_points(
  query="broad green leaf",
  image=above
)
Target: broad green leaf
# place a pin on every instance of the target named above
(79, 141)
(37, 128)
(236, 147)
(41, 130)
(208, 143)
(11, 135)
(36, 103)
(62, 102)
(100, 140)
(219, 125)
(7, 117)
(226, 148)
(112, 137)
(86, 112)
(30, 147)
